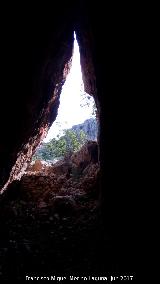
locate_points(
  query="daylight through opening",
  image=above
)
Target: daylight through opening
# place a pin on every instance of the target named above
(55, 198)
(76, 121)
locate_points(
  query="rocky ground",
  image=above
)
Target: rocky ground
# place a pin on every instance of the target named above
(49, 221)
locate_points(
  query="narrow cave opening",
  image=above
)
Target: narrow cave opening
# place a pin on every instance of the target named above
(49, 223)
(75, 125)
(57, 203)
(65, 164)
(76, 121)
(70, 147)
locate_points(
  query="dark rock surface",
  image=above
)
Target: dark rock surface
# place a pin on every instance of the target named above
(49, 225)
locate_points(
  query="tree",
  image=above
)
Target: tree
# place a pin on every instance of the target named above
(70, 142)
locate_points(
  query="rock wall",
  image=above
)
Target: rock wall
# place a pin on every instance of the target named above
(36, 67)
(90, 128)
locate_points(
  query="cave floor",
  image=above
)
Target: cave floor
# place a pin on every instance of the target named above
(49, 230)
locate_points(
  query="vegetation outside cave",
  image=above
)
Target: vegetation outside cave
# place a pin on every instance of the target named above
(72, 140)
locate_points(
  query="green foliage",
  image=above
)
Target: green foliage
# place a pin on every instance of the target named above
(70, 142)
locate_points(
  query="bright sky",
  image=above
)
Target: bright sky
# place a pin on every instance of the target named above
(72, 96)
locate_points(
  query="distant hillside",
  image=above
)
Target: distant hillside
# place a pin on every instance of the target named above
(90, 128)
(72, 140)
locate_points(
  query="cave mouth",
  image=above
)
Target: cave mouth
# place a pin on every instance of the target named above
(76, 121)
(68, 164)
(87, 99)
(56, 205)
(65, 162)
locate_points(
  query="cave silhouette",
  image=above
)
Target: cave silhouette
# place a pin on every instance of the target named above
(98, 240)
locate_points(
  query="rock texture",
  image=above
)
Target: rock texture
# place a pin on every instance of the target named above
(86, 155)
(48, 213)
(36, 85)
(90, 128)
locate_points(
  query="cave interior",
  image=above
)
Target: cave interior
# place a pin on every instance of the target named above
(35, 53)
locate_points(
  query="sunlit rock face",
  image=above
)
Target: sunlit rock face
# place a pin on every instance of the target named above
(89, 127)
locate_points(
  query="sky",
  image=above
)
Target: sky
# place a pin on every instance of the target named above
(70, 111)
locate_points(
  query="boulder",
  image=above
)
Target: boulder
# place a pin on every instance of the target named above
(36, 167)
(86, 155)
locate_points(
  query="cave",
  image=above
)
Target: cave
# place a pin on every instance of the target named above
(37, 47)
